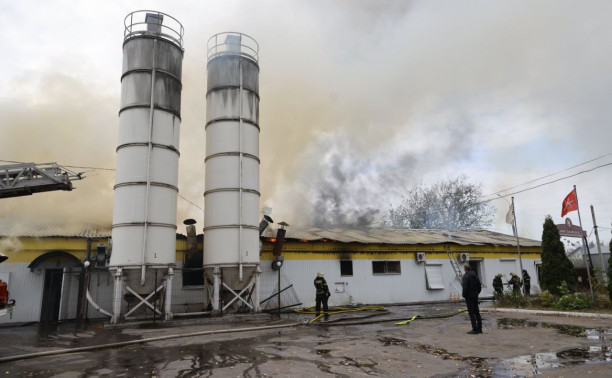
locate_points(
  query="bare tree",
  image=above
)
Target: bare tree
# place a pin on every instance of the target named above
(453, 205)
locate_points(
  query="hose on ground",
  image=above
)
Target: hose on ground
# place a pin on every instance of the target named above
(342, 310)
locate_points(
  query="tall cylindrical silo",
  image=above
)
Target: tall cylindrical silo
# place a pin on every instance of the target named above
(144, 217)
(231, 197)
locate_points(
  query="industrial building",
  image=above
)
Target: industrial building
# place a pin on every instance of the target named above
(44, 270)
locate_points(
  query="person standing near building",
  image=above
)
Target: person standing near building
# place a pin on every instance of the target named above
(322, 294)
(498, 285)
(515, 281)
(526, 282)
(471, 288)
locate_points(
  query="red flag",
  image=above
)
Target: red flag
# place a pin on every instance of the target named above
(569, 203)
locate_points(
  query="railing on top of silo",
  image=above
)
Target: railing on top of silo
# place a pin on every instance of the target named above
(150, 22)
(233, 43)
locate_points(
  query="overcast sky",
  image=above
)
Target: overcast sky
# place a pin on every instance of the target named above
(359, 101)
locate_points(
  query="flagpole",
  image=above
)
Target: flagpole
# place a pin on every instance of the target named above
(584, 245)
(518, 246)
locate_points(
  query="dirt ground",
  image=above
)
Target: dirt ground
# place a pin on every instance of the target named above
(511, 345)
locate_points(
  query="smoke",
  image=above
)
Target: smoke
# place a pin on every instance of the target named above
(359, 101)
(10, 244)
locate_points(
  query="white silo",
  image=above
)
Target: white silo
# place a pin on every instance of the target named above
(231, 197)
(144, 216)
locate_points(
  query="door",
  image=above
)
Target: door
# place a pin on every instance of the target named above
(52, 295)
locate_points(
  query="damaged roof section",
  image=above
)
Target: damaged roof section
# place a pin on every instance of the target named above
(403, 236)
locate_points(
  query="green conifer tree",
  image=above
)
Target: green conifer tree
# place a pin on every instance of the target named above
(556, 266)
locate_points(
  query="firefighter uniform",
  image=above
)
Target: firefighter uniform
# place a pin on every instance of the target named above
(515, 281)
(322, 294)
(498, 285)
(526, 282)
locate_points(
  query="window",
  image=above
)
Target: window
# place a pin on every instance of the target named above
(346, 267)
(386, 267)
(433, 276)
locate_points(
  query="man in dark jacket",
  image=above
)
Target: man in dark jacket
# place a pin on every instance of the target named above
(498, 285)
(471, 289)
(322, 294)
(526, 282)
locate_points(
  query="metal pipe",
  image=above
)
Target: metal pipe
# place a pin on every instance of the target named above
(586, 248)
(603, 268)
(240, 150)
(148, 177)
(518, 246)
(95, 305)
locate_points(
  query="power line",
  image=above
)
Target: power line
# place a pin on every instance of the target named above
(552, 174)
(546, 183)
(191, 202)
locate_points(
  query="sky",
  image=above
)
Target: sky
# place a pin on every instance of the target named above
(360, 100)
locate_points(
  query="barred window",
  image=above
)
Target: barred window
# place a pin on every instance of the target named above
(386, 267)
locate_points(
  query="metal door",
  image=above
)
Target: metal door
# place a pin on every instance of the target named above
(52, 295)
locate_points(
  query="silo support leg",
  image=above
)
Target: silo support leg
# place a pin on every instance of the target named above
(257, 290)
(117, 296)
(168, 300)
(216, 284)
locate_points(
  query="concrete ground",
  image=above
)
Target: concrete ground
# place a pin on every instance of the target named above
(512, 345)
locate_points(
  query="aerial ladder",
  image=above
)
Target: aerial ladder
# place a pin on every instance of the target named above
(24, 179)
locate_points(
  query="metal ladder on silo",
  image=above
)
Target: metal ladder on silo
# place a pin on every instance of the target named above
(456, 267)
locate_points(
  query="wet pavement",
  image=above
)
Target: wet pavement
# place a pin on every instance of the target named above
(512, 345)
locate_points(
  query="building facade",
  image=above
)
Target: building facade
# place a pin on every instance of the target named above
(46, 274)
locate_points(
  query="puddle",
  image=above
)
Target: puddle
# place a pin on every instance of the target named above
(589, 333)
(536, 363)
(525, 365)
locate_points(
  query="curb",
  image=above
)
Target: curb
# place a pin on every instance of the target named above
(550, 313)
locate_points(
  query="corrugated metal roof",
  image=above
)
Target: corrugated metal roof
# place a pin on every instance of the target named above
(21, 228)
(403, 236)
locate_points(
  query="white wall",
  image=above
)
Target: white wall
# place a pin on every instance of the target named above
(367, 288)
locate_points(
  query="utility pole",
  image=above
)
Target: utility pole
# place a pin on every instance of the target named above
(586, 248)
(518, 246)
(603, 268)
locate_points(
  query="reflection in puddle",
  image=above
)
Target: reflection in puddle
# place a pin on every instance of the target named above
(526, 365)
(534, 364)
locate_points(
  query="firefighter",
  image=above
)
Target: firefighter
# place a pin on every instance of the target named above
(515, 281)
(526, 282)
(322, 294)
(498, 285)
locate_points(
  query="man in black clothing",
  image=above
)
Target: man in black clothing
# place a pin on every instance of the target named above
(498, 285)
(526, 282)
(471, 289)
(322, 294)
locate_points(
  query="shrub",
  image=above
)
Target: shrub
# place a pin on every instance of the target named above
(547, 299)
(510, 299)
(573, 302)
